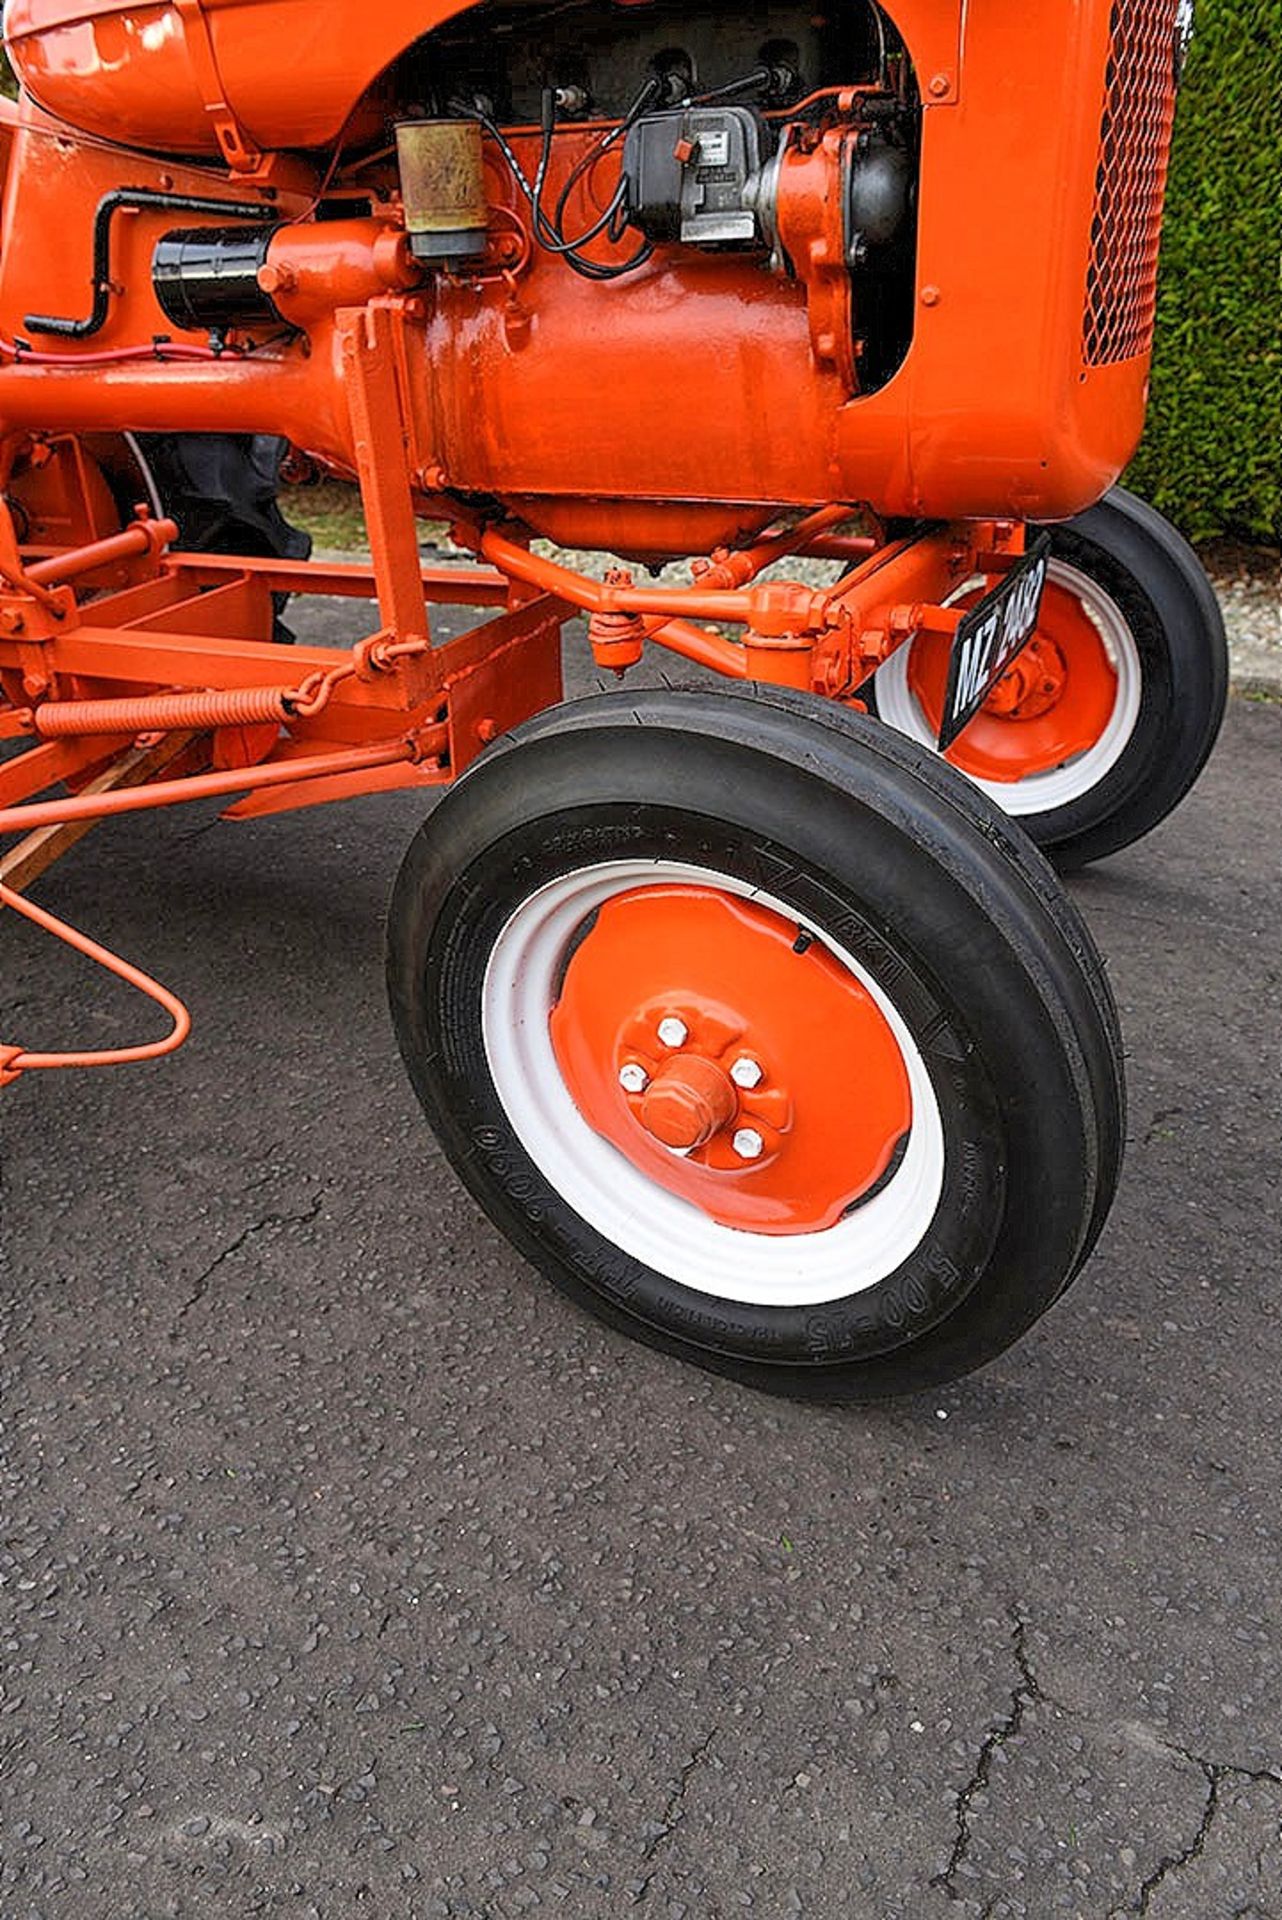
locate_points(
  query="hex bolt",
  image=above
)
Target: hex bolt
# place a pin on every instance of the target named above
(747, 1072)
(633, 1077)
(748, 1144)
(673, 1032)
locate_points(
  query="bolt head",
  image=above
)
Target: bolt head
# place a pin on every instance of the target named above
(633, 1077)
(747, 1073)
(748, 1144)
(673, 1032)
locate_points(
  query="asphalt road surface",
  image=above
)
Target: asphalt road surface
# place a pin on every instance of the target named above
(349, 1570)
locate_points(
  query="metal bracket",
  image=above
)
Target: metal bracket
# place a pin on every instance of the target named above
(370, 343)
(237, 149)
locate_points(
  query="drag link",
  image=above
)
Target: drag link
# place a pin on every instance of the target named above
(414, 749)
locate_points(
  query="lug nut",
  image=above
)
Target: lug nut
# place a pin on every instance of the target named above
(746, 1073)
(748, 1143)
(673, 1032)
(633, 1077)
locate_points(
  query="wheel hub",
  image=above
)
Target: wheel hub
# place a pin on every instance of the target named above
(1032, 684)
(1054, 702)
(688, 1102)
(731, 1057)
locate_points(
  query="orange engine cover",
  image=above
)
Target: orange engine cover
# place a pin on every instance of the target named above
(680, 404)
(156, 74)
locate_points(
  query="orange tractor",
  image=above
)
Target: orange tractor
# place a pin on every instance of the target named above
(747, 1014)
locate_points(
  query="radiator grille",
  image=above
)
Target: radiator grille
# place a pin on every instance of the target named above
(1135, 143)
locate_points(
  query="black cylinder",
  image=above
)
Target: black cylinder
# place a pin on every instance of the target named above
(207, 277)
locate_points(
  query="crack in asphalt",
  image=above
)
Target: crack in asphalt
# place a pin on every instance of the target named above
(674, 1812)
(1028, 1690)
(200, 1286)
(1022, 1697)
(1176, 1862)
(1215, 1773)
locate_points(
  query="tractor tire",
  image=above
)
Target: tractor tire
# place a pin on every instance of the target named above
(1111, 739)
(763, 1035)
(222, 489)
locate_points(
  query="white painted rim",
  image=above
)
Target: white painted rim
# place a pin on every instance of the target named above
(1056, 786)
(662, 1231)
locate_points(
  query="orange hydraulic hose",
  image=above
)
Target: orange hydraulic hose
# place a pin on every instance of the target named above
(13, 1060)
(203, 786)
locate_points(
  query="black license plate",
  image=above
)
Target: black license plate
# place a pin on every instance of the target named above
(990, 636)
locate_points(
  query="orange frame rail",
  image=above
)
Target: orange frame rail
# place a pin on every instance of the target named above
(120, 645)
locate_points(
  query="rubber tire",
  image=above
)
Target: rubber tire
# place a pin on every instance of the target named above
(222, 489)
(952, 910)
(1156, 581)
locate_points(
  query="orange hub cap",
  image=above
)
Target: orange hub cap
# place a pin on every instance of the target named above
(1054, 702)
(689, 1101)
(731, 1057)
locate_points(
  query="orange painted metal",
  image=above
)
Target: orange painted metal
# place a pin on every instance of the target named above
(17, 1060)
(689, 1101)
(205, 786)
(699, 406)
(163, 654)
(136, 542)
(519, 674)
(161, 712)
(833, 1102)
(1054, 702)
(730, 372)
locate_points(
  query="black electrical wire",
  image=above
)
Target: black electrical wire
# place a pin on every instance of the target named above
(614, 220)
(549, 231)
(760, 77)
(649, 92)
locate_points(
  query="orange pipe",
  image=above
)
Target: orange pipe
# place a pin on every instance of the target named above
(299, 399)
(204, 786)
(694, 643)
(594, 597)
(748, 562)
(13, 1060)
(144, 536)
(663, 624)
(735, 605)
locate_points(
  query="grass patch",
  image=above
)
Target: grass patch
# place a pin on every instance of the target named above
(331, 513)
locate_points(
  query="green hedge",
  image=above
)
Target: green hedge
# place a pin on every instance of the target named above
(1211, 458)
(1212, 453)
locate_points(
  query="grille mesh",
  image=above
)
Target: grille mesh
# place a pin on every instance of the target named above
(1135, 143)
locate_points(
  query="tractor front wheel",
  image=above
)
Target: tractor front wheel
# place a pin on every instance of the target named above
(1105, 721)
(762, 1035)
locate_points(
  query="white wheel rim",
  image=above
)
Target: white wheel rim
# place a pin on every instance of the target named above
(1056, 786)
(658, 1228)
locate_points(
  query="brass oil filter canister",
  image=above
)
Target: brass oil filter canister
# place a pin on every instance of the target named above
(442, 187)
